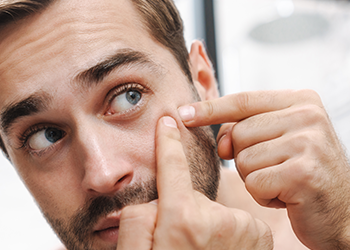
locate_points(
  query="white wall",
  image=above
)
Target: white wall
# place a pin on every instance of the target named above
(21, 224)
(321, 63)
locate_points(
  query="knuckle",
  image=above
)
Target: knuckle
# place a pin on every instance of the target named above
(209, 108)
(241, 160)
(310, 115)
(265, 238)
(307, 142)
(227, 215)
(258, 183)
(254, 151)
(242, 102)
(245, 158)
(262, 120)
(203, 227)
(243, 218)
(182, 209)
(306, 173)
(316, 113)
(300, 141)
(310, 95)
(187, 223)
(238, 135)
(246, 222)
(189, 220)
(305, 110)
(256, 234)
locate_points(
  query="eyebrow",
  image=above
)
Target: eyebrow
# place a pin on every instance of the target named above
(122, 58)
(33, 104)
(38, 102)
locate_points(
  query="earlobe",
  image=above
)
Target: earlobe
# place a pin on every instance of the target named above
(202, 72)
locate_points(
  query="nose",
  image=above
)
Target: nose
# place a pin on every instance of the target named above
(105, 165)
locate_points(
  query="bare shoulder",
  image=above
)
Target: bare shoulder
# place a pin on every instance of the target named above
(232, 193)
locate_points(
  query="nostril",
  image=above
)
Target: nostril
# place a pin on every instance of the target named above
(122, 179)
(125, 179)
(106, 175)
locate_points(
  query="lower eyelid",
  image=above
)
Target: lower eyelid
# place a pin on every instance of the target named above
(42, 152)
(127, 112)
(144, 91)
(24, 138)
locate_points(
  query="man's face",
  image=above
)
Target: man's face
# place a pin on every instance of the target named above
(82, 86)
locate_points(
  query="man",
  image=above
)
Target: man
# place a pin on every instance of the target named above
(99, 117)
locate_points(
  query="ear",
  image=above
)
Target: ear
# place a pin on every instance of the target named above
(202, 72)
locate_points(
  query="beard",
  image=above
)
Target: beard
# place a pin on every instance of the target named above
(77, 232)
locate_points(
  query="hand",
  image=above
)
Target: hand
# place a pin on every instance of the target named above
(289, 156)
(185, 218)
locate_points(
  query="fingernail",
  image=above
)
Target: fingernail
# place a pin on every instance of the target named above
(154, 202)
(170, 122)
(221, 138)
(187, 113)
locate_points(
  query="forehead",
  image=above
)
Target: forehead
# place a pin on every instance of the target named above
(48, 49)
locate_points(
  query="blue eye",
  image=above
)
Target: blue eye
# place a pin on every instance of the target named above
(45, 138)
(53, 134)
(133, 97)
(125, 101)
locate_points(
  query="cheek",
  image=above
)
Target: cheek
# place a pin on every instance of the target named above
(140, 136)
(59, 192)
(140, 148)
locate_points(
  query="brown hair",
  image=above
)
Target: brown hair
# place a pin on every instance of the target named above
(161, 18)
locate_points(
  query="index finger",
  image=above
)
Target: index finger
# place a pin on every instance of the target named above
(237, 107)
(173, 175)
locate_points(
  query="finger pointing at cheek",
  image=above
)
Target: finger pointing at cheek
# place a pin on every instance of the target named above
(187, 219)
(175, 192)
(173, 176)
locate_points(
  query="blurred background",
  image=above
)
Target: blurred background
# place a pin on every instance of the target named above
(254, 45)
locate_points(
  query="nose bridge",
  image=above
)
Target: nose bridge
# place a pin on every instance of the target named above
(105, 168)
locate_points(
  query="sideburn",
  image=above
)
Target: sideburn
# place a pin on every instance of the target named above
(204, 162)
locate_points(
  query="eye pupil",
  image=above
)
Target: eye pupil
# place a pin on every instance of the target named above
(53, 135)
(133, 96)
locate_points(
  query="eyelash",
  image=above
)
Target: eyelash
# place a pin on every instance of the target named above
(124, 88)
(25, 136)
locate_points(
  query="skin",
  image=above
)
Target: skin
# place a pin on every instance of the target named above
(288, 155)
(103, 150)
(209, 225)
(274, 137)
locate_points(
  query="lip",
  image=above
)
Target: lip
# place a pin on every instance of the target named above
(107, 228)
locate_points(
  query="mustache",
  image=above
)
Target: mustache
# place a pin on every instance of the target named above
(84, 220)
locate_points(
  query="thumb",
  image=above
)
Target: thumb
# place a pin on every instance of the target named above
(137, 225)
